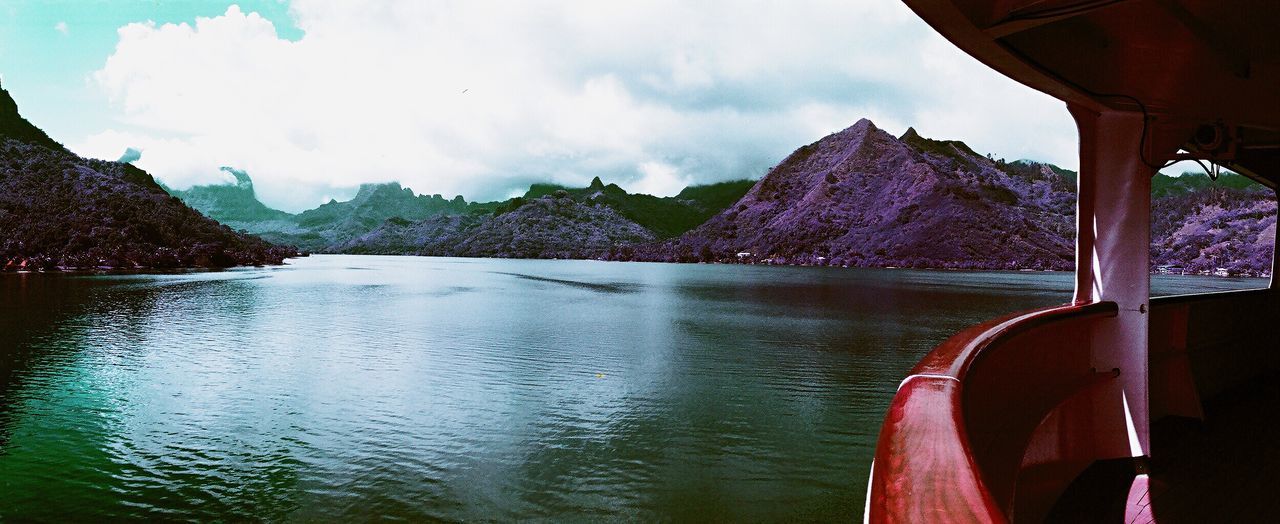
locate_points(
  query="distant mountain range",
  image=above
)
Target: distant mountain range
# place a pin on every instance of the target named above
(548, 221)
(316, 229)
(61, 211)
(554, 222)
(859, 197)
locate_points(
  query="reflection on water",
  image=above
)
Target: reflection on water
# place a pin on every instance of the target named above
(364, 387)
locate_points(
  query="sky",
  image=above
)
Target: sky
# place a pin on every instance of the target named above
(482, 98)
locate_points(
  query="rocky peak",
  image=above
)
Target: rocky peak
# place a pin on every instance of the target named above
(130, 155)
(380, 190)
(13, 126)
(856, 143)
(863, 124)
(242, 179)
(861, 129)
(8, 107)
(596, 183)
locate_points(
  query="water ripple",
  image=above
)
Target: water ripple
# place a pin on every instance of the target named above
(402, 388)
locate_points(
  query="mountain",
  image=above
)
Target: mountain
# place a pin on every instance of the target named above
(382, 218)
(58, 210)
(235, 205)
(332, 223)
(550, 226)
(665, 217)
(718, 196)
(1200, 225)
(14, 127)
(335, 222)
(862, 197)
(552, 221)
(1163, 186)
(130, 156)
(859, 197)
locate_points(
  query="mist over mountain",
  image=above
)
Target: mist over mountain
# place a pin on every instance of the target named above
(236, 205)
(663, 216)
(58, 210)
(549, 226)
(552, 222)
(336, 222)
(130, 156)
(383, 218)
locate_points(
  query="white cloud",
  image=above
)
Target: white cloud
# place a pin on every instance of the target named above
(481, 98)
(60, 27)
(660, 179)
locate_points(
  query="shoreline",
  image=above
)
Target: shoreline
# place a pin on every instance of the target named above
(146, 270)
(585, 259)
(927, 268)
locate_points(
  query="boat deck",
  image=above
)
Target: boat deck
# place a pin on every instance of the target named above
(1225, 469)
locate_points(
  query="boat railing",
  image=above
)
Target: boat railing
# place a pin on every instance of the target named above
(984, 419)
(956, 439)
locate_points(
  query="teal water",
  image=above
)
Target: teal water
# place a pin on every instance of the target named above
(354, 388)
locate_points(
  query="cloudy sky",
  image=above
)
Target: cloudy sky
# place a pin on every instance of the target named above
(480, 98)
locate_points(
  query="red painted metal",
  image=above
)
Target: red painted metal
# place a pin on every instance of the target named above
(953, 443)
(1173, 388)
(1113, 213)
(993, 423)
(924, 471)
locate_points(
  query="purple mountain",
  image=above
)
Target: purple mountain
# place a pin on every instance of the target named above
(61, 211)
(549, 226)
(1224, 227)
(862, 197)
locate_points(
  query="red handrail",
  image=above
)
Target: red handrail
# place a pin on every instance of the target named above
(925, 467)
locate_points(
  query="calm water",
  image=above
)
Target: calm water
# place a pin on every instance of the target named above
(344, 387)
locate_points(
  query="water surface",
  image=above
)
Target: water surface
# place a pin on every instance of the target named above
(353, 387)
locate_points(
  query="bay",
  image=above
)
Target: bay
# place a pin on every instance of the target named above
(362, 387)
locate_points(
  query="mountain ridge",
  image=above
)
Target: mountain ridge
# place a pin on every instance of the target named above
(858, 197)
(863, 198)
(61, 211)
(332, 226)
